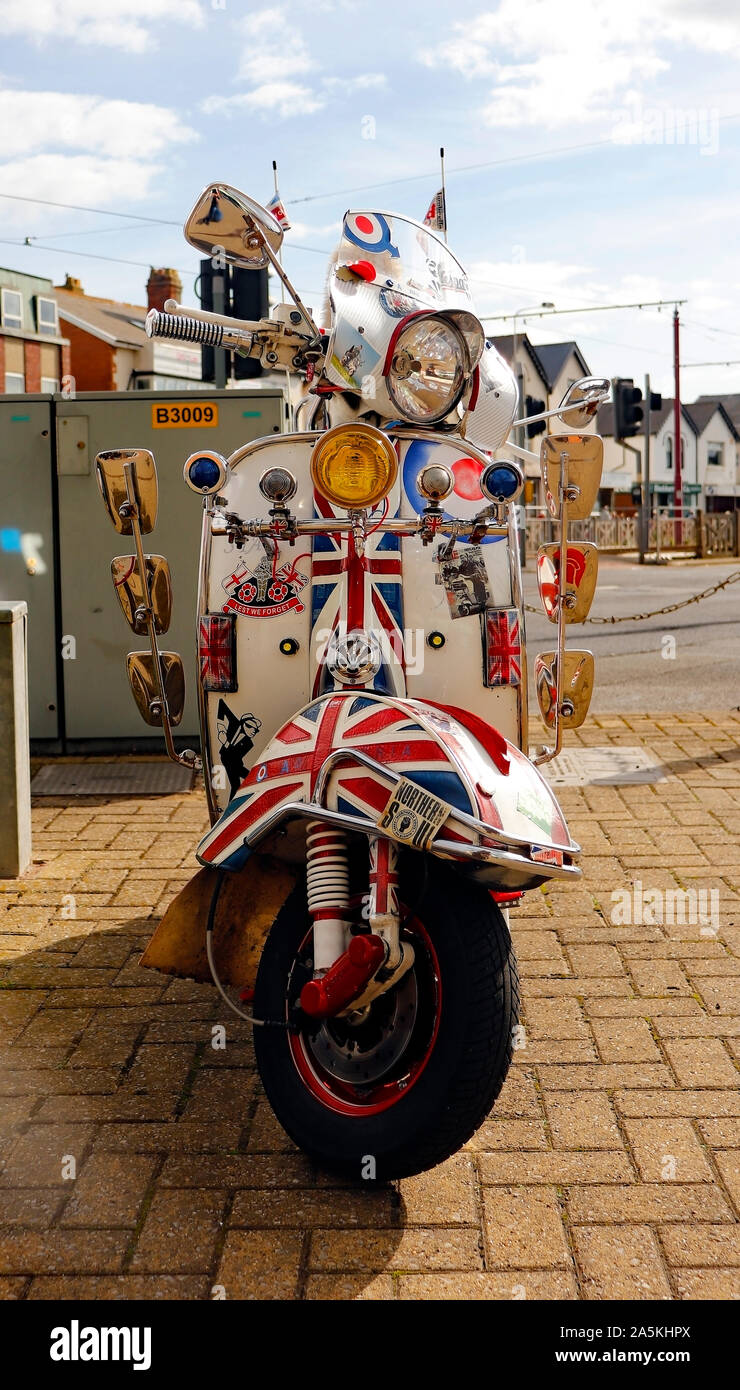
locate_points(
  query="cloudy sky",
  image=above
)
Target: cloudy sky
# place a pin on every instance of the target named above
(593, 149)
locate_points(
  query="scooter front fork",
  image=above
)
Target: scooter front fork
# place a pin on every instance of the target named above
(350, 971)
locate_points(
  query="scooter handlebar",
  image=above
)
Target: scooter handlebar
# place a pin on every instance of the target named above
(191, 330)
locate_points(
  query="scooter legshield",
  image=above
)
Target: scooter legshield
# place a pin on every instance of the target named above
(502, 822)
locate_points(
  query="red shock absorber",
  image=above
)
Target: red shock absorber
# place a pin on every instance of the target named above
(339, 975)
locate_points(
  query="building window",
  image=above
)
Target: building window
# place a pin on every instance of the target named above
(669, 453)
(15, 382)
(715, 455)
(47, 318)
(11, 309)
(50, 384)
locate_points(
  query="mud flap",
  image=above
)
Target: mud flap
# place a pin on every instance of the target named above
(248, 904)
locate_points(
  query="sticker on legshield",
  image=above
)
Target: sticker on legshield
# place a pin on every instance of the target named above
(412, 815)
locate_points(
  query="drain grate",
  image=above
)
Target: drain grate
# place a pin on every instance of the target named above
(111, 779)
(603, 767)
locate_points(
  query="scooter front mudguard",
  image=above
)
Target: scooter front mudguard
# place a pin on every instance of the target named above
(431, 777)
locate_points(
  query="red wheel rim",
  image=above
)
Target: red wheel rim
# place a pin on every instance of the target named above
(344, 1098)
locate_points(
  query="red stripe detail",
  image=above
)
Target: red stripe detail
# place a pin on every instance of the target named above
(293, 733)
(355, 587)
(325, 734)
(240, 824)
(368, 790)
(381, 719)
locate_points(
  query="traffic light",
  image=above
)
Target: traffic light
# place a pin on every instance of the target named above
(249, 300)
(533, 407)
(628, 410)
(656, 400)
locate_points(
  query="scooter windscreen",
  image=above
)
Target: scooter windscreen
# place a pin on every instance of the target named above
(387, 270)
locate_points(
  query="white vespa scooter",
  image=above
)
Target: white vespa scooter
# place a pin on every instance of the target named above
(362, 690)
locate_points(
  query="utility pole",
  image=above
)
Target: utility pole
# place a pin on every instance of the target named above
(677, 460)
(645, 516)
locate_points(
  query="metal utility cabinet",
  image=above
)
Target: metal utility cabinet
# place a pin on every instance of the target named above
(56, 543)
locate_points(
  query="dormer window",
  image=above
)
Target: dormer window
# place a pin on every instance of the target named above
(47, 316)
(11, 308)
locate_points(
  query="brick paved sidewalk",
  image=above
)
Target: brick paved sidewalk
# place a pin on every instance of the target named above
(611, 1164)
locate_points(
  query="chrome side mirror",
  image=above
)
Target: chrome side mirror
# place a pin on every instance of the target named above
(581, 571)
(110, 470)
(132, 595)
(142, 675)
(224, 220)
(577, 684)
(585, 397)
(584, 458)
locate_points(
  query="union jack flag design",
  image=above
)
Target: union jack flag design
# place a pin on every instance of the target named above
(367, 589)
(388, 731)
(503, 647)
(217, 651)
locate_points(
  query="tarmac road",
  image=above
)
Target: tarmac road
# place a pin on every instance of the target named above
(631, 671)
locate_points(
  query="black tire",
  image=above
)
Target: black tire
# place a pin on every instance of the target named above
(466, 1061)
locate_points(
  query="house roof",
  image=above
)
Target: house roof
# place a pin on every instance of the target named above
(120, 324)
(605, 418)
(554, 356)
(731, 404)
(506, 345)
(706, 407)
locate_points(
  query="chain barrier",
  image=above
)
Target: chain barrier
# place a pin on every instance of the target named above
(658, 612)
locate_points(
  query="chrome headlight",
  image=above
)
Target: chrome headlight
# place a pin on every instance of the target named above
(428, 368)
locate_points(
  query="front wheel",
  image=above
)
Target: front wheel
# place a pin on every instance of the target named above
(400, 1086)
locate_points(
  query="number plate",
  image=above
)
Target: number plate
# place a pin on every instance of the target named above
(183, 417)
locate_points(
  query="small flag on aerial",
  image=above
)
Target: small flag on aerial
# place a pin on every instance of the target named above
(436, 217)
(275, 206)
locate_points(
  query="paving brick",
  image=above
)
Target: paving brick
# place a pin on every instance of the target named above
(179, 1233)
(667, 1150)
(524, 1229)
(701, 1062)
(646, 1202)
(581, 1120)
(520, 1284)
(109, 1190)
(624, 1040)
(708, 1284)
(39, 1156)
(123, 1287)
(351, 1288)
(729, 1167)
(403, 1249)
(624, 1263)
(446, 1195)
(260, 1265)
(509, 1134)
(556, 1167)
(311, 1209)
(701, 1246)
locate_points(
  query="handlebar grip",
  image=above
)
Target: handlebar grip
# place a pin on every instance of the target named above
(161, 325)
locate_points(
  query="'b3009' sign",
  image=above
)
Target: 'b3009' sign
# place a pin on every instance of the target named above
(178, 417)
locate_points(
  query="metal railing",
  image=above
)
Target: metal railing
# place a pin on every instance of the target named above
(700, 533)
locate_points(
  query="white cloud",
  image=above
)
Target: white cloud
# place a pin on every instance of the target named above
(37, 121)
(92, 180)
(125, 24)
(283, 77)
(274, 50)
(558, 64)
(278, 98)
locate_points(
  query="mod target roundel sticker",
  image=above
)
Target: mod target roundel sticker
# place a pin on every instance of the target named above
(466, 498)
(370, 231)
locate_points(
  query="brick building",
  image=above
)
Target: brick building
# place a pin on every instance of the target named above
(109, 347)
(34, 353)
